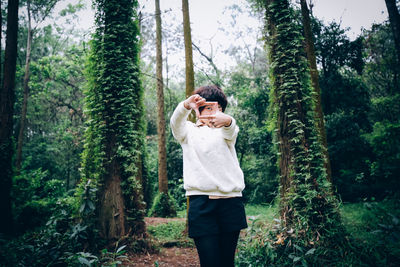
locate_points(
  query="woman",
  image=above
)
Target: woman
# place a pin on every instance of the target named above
(212, 176)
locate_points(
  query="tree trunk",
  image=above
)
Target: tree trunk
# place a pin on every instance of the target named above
(26, 92)
(315, 83)
(112, 211)
(162, 152)
(306, 201)
(7, 99)
(394, 18)
(114, 148)
(1, 51)
(188, 53)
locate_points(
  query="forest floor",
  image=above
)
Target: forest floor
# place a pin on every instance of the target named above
(172, 253)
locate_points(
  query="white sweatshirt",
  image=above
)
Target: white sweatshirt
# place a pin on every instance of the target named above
(210, 164)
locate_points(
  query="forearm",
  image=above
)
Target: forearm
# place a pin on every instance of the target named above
(230, 131)
(178, 121)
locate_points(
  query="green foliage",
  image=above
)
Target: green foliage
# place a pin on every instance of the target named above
(346, 103)
(35, 198)
(170, 234)
(386, 146)
(248, 91)
(361, 111)
(381, 74)
(51, 244)
(163, 206)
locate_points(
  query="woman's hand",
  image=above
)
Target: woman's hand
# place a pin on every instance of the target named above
(194, 102)
(221, 120)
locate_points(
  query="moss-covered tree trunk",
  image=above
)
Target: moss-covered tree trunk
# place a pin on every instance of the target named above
(114, 145)
(7, 98)
(315, 83)
(308, 210)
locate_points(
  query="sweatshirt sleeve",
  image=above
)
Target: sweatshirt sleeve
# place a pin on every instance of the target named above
(178, 122)
(230, 133)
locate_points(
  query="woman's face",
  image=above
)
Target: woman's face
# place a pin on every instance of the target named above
(209, 113)
(209, 110)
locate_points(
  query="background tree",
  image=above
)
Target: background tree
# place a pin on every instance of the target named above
(163, 206)
(113, 156)
(381, 75)
(7, 99)
(40, 11)
(394, 18)
(188, 53)
(346, 103)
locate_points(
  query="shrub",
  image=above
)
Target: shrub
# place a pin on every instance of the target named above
(163, 206)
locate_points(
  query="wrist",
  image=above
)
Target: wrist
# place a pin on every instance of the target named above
(186, 105)
(229, 122)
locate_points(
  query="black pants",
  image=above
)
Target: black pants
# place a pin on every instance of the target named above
(217, 250)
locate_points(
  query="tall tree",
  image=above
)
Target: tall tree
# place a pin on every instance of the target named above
(113, 156)
(188, 49)
(41, 11)
(394, 18)
(1, 38)
(162, 153)
(312, 61)
(26, 89)
(7, 99)
(308, 209)
(164, 207)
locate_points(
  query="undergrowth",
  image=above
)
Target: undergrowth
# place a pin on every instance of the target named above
(170, 234)
(374, 239)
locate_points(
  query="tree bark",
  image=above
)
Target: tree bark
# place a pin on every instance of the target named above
(394, 18)
(1, 51)
(112, 211)
(310, 50)
(26, 92)
(188, 53)
(6, 117)
(162, 151)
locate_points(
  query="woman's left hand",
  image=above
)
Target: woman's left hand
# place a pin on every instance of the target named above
(221, 120)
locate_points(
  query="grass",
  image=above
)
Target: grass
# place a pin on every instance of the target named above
(264, 212)
(170, 234)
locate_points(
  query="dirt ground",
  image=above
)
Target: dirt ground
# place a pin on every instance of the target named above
(172, 257)
(167, 257)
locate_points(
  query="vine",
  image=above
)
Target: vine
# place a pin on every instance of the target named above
(114, 138)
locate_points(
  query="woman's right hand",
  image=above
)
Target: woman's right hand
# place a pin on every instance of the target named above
(194, 102)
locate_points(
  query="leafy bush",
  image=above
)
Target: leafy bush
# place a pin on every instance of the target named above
(35, 198)
(52, 243)
(163, 206)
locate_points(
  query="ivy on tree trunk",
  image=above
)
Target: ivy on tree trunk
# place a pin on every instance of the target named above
(308, 210)
(114, 146)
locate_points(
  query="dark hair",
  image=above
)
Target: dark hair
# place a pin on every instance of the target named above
(212, 93)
